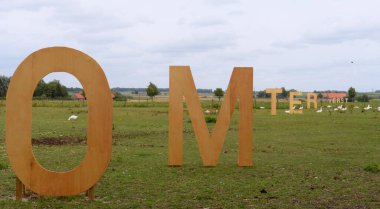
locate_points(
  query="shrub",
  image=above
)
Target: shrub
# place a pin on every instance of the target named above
(373, 168)
(363, 98)
(210, 119)
(215, 105)
(3, 166)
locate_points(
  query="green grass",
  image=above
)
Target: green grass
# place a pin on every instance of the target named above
(300, 161)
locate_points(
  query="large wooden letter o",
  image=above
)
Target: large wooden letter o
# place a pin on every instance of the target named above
(19, 122)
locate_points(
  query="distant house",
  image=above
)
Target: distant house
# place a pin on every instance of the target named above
(335, 95)
(78, 96)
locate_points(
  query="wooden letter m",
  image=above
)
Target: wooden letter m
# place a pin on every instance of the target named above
(240, 87)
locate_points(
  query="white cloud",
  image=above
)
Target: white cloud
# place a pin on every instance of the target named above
(305, 45)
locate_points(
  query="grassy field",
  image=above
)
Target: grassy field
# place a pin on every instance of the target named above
(300, 161)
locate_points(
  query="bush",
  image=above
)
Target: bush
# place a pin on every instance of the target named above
(3, 166)
(210, 104)
(363, 98)
(215, 105)
(210, 119)
(373, 168)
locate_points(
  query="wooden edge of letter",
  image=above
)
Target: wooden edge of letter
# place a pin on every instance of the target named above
(19, 122)
(181, 85)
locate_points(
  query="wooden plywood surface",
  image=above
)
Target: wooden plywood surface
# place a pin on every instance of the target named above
(293, 102)
(273, 92)
(19, 122)
(182, 86)
(312, 98)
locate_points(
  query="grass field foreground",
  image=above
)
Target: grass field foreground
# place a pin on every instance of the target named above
(300, 161)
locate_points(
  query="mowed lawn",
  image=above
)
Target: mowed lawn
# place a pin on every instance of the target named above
(300, 161)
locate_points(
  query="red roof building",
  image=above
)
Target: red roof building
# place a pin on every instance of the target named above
(335, 95)
(78, 96)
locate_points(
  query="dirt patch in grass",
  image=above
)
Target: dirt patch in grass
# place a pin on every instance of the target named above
(59, 140)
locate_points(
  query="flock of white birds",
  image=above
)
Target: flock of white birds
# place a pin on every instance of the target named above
(211, 111)
(330, 108)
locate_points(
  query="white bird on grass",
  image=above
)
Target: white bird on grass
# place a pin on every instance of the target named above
(340, 107)
(356, 107)
(73, 117)
(262, 108)
(294, 107)
(378, 109)
(207, 112)
(301, 108)
(287, 111)
(329, 106)
(320, 110)
(368, 107)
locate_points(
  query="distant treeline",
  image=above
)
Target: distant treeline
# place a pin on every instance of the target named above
(51, 90)
(285, 93)
(162, 90)
(74, 89)
(138, 90)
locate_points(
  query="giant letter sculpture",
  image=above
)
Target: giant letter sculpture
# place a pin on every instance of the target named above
(293, 102)
(19, 122)
(273, 93)
(240, 87)
(314, 100)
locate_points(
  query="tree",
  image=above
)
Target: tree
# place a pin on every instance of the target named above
(284, 93)
(219, 93)
(152, 90)
(50, 90)
(4, 83)
(351, 94)
(320, 97)
(363, 98)
(119, 96)
(263, 94)
(40, 89)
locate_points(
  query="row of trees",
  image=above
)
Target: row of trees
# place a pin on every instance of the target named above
(153, 91)
(55, 90)
(352, 95)
(283, 95)
(52, 90)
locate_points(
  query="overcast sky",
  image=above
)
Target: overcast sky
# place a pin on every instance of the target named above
(301, 44)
